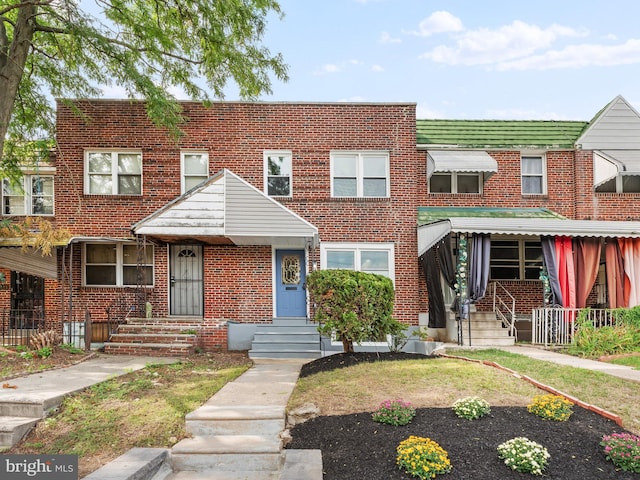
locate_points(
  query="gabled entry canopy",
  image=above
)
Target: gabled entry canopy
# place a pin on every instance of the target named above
(225, 209)
(435, 223)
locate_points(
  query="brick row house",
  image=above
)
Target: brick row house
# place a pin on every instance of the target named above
(206, 239)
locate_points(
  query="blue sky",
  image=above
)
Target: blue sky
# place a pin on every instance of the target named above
(511, 59)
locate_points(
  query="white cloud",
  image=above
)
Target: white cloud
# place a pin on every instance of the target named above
(377, 68)
(327, 69)
(509, 42)
(386, 37)
(438, 22)
(330, 68)
(576, 56)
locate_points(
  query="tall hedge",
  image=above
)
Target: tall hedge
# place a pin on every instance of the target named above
(356, 306)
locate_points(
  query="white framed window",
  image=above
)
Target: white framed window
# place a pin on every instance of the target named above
(620, 184)
(115, 264)
(515, 259)
(195, 169)
(364, 257)
(32, 195)
(533, 170)
(360, 174)
(278, 173)
(455, 182)
(113, 173)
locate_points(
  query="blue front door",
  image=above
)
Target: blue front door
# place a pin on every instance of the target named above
(291, 296)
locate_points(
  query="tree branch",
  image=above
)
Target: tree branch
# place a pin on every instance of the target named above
(4, 44)
(47, 28)
(18, 6)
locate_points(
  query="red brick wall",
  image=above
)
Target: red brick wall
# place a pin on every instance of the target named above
(570, 192)
(238, 283)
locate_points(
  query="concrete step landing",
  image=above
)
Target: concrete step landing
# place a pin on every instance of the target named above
(227, 453)
(13, 429)
(211, 420)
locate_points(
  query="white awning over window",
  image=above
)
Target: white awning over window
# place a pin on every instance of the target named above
(461, 161)
(610, 163)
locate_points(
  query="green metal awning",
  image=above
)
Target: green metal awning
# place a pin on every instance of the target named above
(431, 214)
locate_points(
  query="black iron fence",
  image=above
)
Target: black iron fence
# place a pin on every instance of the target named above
(17, 326)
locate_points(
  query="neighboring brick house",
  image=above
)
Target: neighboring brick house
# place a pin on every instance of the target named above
(223, 224)
(518, 182)
(292, 187)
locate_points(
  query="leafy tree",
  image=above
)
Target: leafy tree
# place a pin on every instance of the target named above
(56, 48)
(36, 233)
(356, 306)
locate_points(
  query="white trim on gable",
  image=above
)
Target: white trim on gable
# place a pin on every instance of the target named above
(227, 209)
(616, 127)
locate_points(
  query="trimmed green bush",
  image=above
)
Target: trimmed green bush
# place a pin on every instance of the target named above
(355, 306)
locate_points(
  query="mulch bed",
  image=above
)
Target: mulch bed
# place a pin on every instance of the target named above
(354, 447)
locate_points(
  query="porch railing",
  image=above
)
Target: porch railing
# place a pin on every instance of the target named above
(504, 306)
(130, 303)
(557, 326)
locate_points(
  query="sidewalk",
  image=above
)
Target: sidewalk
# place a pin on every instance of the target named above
(25, 400)
(538, 353)
(50, 386)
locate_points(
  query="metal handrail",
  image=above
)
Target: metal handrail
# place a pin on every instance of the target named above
(504, 312)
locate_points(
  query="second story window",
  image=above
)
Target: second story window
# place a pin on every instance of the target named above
(620, 184)
(455, 183)
(33, 195)
(278, 173)
(195, 169)
(534, 175)
(359, 174)
(113, 173)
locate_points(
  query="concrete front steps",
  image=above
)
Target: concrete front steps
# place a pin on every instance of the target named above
(163, 337)
(486, 330)
(17, 419)
(234, 442)
(290, 337)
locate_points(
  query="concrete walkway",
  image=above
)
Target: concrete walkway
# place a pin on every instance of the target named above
(50, 386)
(235, 430)
(27, 399)
(236, 434)
(539, 353)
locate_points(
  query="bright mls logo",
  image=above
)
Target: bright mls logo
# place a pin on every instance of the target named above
(39, 467)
